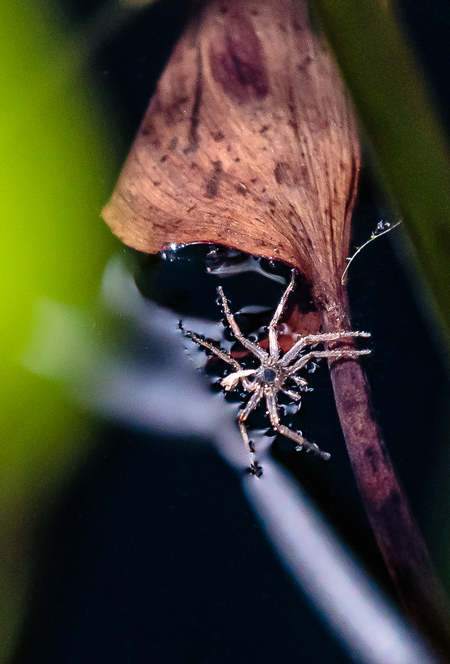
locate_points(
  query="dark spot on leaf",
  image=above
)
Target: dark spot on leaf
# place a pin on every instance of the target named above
(217, 136)
(237, 61)
(195, 113)
(294, 124)
(148, 130)
(282, 173)
(175, 112)
(305, 64)
(212, 186)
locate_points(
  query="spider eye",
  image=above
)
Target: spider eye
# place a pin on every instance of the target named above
(269, 375)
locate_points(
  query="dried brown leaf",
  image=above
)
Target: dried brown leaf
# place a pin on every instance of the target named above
(249, 141)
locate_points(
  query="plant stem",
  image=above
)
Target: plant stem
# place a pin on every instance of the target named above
(396, 531)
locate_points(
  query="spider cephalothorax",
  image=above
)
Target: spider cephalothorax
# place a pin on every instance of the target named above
(273, 372)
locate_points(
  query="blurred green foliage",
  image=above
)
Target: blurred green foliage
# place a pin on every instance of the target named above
(410, 146)
(57, 169)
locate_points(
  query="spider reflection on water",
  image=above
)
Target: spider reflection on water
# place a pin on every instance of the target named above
(270, 378)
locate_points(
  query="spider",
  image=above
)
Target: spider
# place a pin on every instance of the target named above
(270, 377)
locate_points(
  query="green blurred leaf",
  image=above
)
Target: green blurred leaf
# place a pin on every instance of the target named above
(56, 170)
(402, 125)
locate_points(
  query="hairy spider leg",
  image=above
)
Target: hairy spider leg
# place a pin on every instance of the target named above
(243, 414)
(230, 382)
(253, 348)
(311, 339)
(296, 436)
(316, 354)
(274, 349)
(258, 393)
(301, 383)
(217, 351)
(302, 443)
(292, 395)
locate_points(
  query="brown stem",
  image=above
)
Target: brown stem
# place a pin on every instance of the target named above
(394, 526)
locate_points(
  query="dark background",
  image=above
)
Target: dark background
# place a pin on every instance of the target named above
(154, 554)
